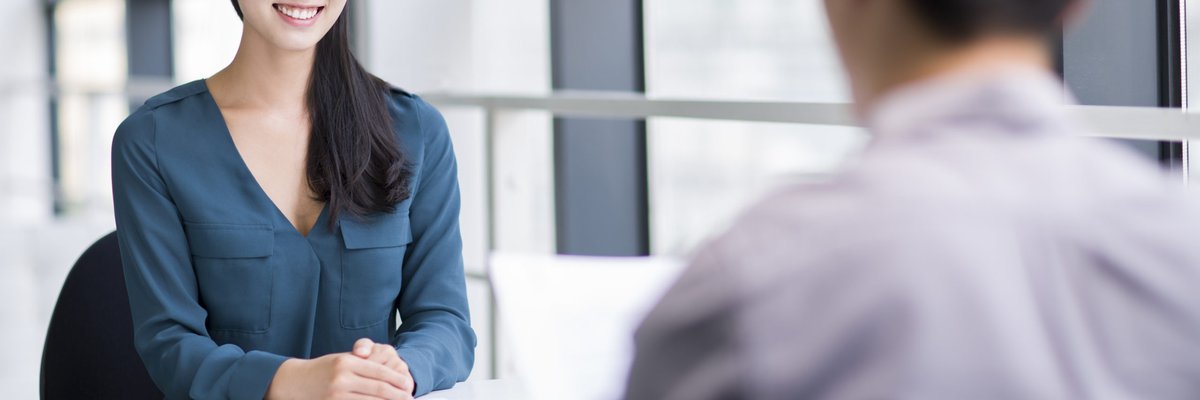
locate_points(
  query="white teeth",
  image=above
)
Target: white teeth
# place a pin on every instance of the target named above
(297, 13)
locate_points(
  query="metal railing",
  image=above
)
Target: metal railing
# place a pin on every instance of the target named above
(1138, 123)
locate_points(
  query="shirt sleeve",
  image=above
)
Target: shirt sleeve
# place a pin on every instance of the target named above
(435, 336)
(169, 330)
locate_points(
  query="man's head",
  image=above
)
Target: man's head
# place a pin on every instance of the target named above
(885, 43)
(966, 19)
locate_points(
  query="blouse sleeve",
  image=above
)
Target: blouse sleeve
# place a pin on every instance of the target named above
(169, 330)
(435, 336)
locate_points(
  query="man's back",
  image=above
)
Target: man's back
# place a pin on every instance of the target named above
(980, 251)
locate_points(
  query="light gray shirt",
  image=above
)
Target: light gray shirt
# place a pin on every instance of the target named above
(980, 250)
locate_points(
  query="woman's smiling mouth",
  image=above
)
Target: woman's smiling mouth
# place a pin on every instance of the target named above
(297, 14)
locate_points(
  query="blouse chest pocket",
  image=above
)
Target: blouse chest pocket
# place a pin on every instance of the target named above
(234, 275)
(372, 267)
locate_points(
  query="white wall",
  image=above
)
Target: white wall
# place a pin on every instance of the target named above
(25, 187)
(24, 191)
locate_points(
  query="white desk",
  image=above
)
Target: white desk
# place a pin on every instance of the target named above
(482, 390)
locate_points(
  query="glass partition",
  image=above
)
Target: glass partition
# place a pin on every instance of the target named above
(703, 173)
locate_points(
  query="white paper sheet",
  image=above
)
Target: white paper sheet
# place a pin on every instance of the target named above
(570, 320)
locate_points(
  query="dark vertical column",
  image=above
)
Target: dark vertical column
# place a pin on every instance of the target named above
(1126, 53)
(600, 164)
(148, 42)
(1171, 82)
(55, 145)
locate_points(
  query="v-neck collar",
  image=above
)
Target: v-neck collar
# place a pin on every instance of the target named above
(244, 168)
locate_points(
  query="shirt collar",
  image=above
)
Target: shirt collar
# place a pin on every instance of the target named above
(1023, 99)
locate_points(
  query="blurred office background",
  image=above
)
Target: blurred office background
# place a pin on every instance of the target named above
(73, 69)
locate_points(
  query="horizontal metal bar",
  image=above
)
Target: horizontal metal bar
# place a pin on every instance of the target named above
(1139, 123)
(1113, 122)
(629, 105)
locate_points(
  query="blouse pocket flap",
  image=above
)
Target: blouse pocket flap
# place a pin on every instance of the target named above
(230, 241)
(389, 230)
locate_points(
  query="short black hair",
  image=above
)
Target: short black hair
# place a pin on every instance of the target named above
(965, 19)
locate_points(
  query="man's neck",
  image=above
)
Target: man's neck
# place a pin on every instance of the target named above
(981, 57)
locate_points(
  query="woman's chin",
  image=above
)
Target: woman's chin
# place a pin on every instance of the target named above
(295, 42)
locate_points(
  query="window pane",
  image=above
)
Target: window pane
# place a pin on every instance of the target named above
(91, 77)
(703, 173)
(206, 35)
(91, 44)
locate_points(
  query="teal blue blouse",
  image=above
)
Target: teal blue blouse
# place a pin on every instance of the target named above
(224, 289)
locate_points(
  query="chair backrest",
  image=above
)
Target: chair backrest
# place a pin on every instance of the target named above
(89, 351)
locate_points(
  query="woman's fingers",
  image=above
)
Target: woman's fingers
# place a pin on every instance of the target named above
(356, 396)
(380, 389)
(379, 372)
(363, 347)
(382, 353)
(385, 356)
(378, 352)
(394, 361)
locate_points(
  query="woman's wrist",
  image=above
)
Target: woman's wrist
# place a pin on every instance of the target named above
(281, 383)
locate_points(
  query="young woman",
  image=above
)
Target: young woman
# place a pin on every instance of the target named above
(274, 217)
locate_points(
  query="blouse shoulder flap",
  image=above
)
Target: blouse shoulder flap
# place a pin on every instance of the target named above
(379, 230)
(230, 240)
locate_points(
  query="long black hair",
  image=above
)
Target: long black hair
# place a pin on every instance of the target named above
(355, 164)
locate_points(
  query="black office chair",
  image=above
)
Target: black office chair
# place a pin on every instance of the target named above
(89, 350)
